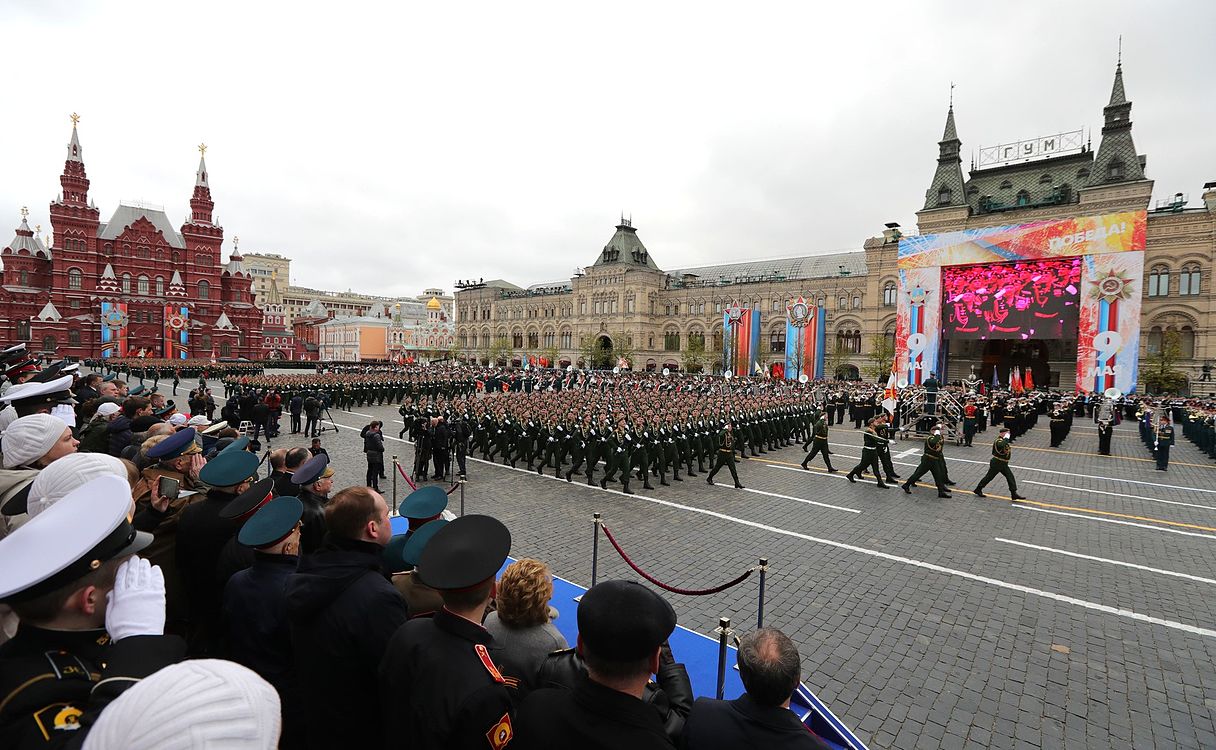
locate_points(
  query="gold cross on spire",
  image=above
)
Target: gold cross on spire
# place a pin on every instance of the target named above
(24, 212)
(75, 119)
(202, 149)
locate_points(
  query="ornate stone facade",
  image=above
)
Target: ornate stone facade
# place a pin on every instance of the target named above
(625, 301)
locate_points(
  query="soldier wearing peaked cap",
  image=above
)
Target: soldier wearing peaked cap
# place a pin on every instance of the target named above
(50, 397)
(178, 457)
(255, 605)
(402, 555)
(202, 532)
(92, 616)
(622, 631)
(441, 669)
(314, 478)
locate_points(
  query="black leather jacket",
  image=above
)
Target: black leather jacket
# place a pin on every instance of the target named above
(672, 697)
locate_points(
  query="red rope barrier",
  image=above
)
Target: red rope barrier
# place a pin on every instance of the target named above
(406, 477)
(664, 586)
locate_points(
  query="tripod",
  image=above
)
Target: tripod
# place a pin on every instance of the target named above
(327, 417)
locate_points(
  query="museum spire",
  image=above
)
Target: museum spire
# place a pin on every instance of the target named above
(947, 188)
(201, 204)
(1117, 160)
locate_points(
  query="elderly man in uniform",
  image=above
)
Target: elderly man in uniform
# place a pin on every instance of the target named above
(313, 482)
(92, 616)
(440, 670)
(622, 627)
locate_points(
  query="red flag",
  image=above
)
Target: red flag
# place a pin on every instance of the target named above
(1027, 381)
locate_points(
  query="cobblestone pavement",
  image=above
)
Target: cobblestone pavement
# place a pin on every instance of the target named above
(1082, 618)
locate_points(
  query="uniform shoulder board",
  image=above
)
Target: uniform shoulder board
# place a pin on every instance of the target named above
(488, 663)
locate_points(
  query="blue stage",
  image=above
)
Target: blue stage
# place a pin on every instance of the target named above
(699, 654)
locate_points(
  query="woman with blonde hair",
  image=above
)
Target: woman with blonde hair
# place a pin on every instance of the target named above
(522, 625)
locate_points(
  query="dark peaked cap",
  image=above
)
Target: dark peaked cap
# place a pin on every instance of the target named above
(464, 553)
(623, 620)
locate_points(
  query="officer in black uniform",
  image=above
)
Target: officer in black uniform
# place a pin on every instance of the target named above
(726, 456)
(314, 478)
(440, 682)
(92, 616)
(819, 444)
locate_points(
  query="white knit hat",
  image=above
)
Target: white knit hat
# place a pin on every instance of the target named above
(204, 703)
(30, 438)
(177, 420)
(198, 420)
(107, 408)
(61, 477)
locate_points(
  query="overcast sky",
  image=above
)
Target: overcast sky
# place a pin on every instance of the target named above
(389, 147)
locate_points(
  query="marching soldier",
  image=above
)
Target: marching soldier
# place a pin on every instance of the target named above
(869, 456)
(932, 461)
(1002, 451)
(819, 444)
(883, 427)
(1164, 440)
(726, 456)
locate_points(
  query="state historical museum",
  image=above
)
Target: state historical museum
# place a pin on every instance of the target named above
(131, 286)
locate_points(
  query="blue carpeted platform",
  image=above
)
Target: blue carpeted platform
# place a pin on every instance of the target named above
(699, 654)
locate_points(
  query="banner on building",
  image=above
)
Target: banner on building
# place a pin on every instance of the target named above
(1007, 291)
(804, 339)
(115, 326)
(176, 331)
(740, 339)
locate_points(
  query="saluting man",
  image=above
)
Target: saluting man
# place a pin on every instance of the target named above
(1002, 451)
(726, 456)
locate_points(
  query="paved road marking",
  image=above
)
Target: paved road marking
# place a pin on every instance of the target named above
(788, 497)
(1093, 606)
(909, 452)
(1120, 563)
(1120, 494)
(1209, 537)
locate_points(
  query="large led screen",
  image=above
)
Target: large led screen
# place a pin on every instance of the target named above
(1028, 299)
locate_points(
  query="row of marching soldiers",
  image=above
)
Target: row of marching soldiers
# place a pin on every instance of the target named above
(219, 610)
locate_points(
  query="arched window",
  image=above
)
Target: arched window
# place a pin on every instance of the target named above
(48, 343)
(671, 341)
(533, 340)
(888, 294)
(204, 290)
(856, 303)
(1154, 340)
(1159, 281)
(1023, 198)
(75, 278)
(225, 349)
(160, 286)
(142, 284)
(1045, 179)
(1186, 342)
(74, 336)
(944, 195)
(23, 330)
(776, 341)
(889, 336)
(126, 283)
(1188, 280)
(206, 342)
(842, 303)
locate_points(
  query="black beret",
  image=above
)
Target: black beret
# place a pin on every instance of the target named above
(623, 620)
(464, 553)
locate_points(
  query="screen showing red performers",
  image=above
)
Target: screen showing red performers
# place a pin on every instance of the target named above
(1034, 299)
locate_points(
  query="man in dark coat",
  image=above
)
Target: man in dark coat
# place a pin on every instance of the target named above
(771, 670)
(373, 448)
(255, 606)
(312, 483)
(296, 407)
(203, 530)
(622, 626)
(342, 611)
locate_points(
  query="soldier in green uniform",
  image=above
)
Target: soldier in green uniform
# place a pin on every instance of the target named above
(869, 456)
(1002, 451)
(726, 456)
(819, 444)
(932, 461)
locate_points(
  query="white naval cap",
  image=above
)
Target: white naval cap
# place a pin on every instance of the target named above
(68, 540)
(32, 393)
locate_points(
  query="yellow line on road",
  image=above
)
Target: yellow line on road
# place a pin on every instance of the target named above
(1057, 506)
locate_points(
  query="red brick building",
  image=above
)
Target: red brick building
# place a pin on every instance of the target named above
(129, 285)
